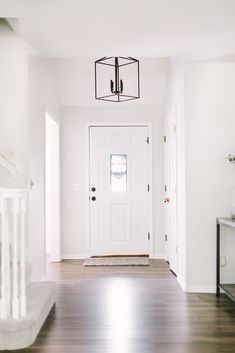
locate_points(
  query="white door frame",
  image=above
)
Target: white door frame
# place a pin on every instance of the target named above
(150, 198)
(56, 241)
(172, 110)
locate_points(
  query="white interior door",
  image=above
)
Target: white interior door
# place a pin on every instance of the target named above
(170, 190)
(119, 222)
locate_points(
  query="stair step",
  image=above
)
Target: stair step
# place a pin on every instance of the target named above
(21, 333)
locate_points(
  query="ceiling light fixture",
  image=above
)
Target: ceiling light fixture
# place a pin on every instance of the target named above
(117, 79)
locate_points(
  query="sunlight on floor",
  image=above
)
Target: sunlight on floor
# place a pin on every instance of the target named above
(119, 303)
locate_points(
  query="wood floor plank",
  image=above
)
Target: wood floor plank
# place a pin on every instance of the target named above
(132, 310)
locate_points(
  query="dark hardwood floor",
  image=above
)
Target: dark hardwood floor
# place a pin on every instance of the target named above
(132, 310)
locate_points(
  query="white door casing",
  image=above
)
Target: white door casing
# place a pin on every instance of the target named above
(170, 189)
(52, 187)
(119, 214)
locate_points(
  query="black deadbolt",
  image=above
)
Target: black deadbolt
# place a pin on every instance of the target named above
(93, 189)
(93, 198)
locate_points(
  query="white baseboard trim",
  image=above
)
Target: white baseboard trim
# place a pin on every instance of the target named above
(182, 283)
(200, 289)
(55, 260)
(157, 257)
(82, 257)
(73, 257)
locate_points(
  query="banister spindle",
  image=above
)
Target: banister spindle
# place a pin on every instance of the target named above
(15, 298)
(22, 258)
(4, 265)
(13, 204)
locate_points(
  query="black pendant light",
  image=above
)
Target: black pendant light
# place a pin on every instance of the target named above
(117, 79)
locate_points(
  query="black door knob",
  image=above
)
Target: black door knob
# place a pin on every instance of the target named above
(93, 189)
(93, 198)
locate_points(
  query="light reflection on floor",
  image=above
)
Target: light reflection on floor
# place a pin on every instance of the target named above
(119, 305)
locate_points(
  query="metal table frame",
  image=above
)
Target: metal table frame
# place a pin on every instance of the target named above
(228, 222)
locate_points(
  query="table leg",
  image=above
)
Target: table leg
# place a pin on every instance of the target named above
(217, 258)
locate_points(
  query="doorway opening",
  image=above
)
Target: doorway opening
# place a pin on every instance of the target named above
(52, 189)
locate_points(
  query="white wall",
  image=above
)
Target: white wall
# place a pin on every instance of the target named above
(42, 95)
(210, 178)
(79, 107)
(27, 87)
(74, 169)
(13, 104)
(203, 95)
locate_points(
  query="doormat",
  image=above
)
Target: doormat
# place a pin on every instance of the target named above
(117, 261)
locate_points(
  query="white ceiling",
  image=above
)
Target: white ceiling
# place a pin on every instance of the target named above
(95, 28)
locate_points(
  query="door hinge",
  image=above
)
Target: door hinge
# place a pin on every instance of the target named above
(165, 187)
(165, 237)
(174, 128)
(176, 249)
(147, 140)
(148, 235)
(148, 188)
(164, 139)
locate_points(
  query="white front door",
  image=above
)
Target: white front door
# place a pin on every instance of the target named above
(170, 190)
(119, 215)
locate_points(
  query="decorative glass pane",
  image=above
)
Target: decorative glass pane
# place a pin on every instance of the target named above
(118, 172)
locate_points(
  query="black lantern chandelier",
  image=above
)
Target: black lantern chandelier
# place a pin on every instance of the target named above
(117, 79)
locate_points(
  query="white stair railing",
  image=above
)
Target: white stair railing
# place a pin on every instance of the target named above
(12, 259)
(10, 167)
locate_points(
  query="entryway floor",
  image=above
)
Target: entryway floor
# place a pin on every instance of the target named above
(132, 310)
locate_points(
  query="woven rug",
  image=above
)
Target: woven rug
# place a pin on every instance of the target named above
(117, 261)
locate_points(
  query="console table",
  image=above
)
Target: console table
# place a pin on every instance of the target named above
(229, 289)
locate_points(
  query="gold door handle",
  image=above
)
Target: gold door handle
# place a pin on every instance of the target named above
(166, 200)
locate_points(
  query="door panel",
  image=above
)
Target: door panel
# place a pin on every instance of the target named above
(119, 222)
(136, 224)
